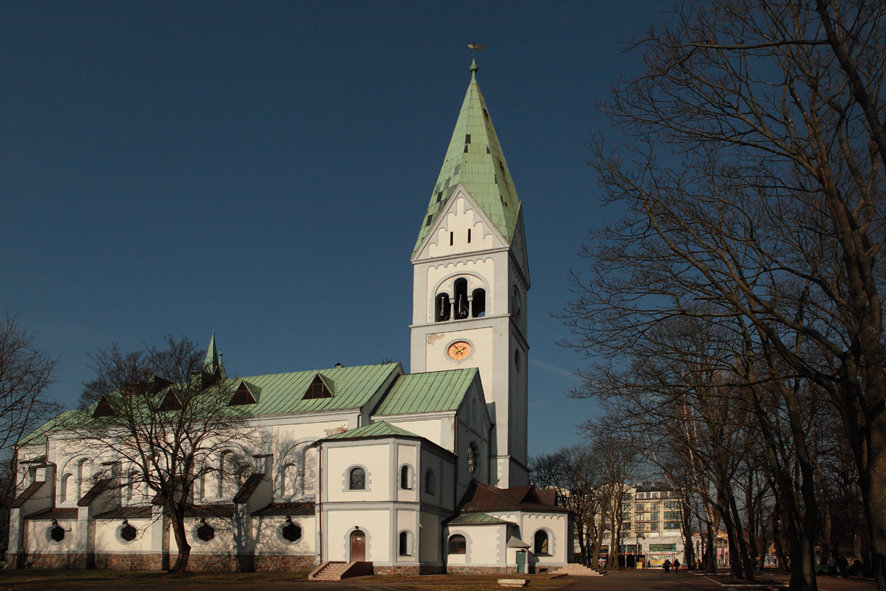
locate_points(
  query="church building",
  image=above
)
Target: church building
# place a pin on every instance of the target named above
(352, 469)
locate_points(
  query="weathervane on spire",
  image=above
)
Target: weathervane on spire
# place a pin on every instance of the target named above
(474, 47)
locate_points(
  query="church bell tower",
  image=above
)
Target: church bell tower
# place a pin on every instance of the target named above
(470, 280)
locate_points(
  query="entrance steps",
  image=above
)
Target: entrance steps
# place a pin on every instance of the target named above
(573, 569)
(336, 571)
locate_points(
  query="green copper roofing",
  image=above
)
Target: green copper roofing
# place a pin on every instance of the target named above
(476, 519)
(38, 435)
(212, 363)
(282, 393)
(351, 387)
(435, 391)
(475, 159)
(378, 429)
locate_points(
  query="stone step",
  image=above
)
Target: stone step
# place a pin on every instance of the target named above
(574, 569)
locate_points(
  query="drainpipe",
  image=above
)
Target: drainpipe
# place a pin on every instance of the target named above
(319, 504)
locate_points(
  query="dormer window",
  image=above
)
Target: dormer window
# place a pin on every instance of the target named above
(171, 402)
(243, 395)
(103, 409)
(319, 388)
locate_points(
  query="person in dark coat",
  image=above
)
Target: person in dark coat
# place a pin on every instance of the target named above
(666, 565)
(676, 565)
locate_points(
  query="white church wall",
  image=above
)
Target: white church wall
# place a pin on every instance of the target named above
(438, 428)
(430, 532)
(463, 215)
(375, 523)
(39, 541)
(484, 546)
(407, 457)
(556, 527)
(108, 536)
(268, 533)
(374, 457)
(407, 521)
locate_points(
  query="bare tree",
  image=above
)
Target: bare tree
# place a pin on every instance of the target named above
(25, 372)
(619, 460)
(576, 475)
(753, 182)
(163, 413)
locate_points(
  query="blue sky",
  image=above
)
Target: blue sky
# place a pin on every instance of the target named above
(261, 170)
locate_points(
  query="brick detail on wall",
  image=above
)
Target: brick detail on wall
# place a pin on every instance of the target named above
(38, 560)
(296, 564)
(129, 561)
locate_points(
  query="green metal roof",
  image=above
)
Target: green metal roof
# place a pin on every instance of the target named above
(377, 429)
(476, 519)
(475, 159)
(436, 391)
(282, 393)
(351, 387)
(38, 435)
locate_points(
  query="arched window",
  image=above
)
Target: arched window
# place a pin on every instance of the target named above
(65, 488)
(405, 545)
(430, 485)
(82, 478)
(356, 479)
(541, 543)
(478, 303)
(442, 308)
(405, 477)
(289, 484)
(457, 544)
(461, 298)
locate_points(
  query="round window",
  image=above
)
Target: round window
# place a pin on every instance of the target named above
(57, 532)
(205, 532)
(291, 532)
(127, 532)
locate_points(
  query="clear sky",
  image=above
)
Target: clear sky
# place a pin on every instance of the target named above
(261, 170)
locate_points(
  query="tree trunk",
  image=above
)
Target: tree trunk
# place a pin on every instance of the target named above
(181, 541)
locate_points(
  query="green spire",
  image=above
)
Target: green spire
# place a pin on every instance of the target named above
(475, 159)
(212, 363)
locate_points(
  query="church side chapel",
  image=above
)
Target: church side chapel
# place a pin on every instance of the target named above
(348, 470)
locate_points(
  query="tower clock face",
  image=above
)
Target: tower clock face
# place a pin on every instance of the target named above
(459, 350)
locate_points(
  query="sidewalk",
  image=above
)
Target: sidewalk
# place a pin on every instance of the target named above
(657, 580)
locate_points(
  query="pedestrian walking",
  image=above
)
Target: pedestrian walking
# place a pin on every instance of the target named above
(676, 565)
(666, 565)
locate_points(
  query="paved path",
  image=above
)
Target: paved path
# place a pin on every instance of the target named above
(657, 580)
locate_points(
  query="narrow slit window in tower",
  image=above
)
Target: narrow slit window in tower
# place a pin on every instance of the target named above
(461, 299)
(442, 308)
(478, 303)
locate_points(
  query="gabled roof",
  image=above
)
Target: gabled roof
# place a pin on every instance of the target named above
(374, 430)
(27, 493)
(297, 508)
(98, 488)
(477, 519)
(475, 159)
(246, 491)
(281, 394)
(436, 391)
(482, 497)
